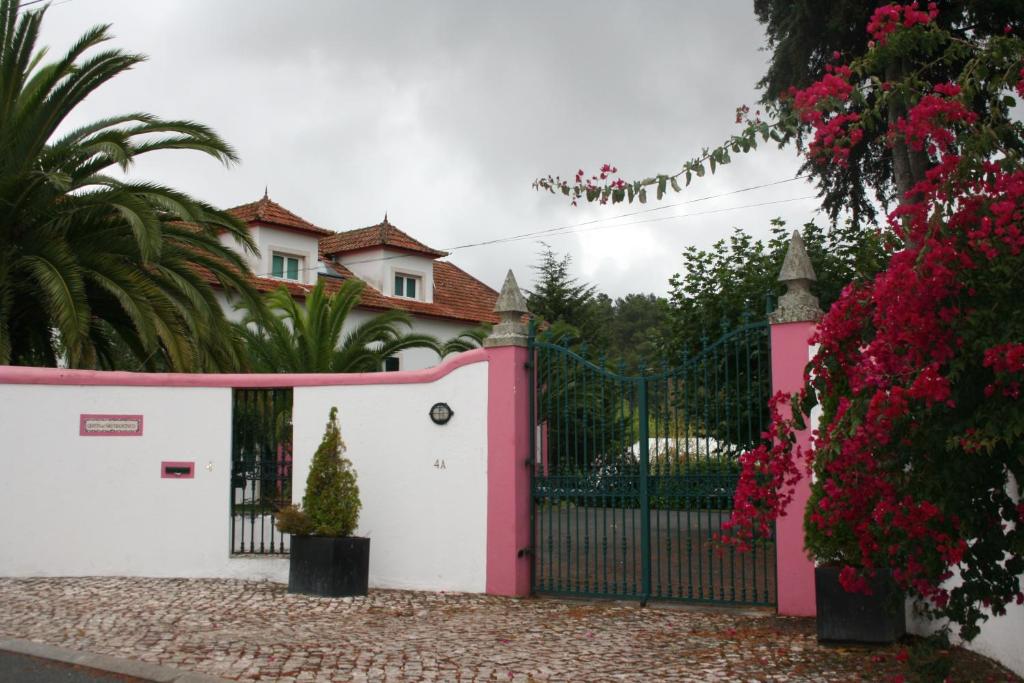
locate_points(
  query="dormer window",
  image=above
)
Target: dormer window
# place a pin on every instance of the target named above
(407, 286)
(285, 266)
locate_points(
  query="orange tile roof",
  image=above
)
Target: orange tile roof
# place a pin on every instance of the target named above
(457, 294)
(270, 212)
(383, 234)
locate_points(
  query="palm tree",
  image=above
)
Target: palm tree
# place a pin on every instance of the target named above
(97, 270)
(296, 338)
(472, 338)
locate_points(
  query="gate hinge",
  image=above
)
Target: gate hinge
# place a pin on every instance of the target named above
(529, 462)
(528, 365)
(523, 552)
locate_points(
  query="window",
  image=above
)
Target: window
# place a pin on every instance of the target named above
(285, 267)
(391, 364)
(406, 285)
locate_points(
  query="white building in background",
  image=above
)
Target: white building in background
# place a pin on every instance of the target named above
(400, 272)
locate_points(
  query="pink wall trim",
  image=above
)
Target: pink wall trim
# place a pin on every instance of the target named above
(795, 571)
(16, 374)
(191, 465)
(508, 476)
(84, 417)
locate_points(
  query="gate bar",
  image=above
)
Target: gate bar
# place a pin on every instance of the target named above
(645, 503)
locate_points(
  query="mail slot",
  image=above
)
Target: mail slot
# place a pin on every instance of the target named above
(177, 470)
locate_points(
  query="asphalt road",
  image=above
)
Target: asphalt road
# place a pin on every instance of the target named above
(16, 668)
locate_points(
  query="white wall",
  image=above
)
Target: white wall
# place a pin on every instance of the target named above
(228, 306)
(379, 266)
(415, 359)
(428, 526)
(1001, 638)
(409, 264)
(270, 240)
(96, 505)
(367, 264)
(76, 505)
(252, 260)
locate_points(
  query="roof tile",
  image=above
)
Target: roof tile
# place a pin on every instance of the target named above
(270, 212)
(383, 234)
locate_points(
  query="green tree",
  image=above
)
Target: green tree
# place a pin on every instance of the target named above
(291, 337)
(639, 331)
(97, 271)
(557, 296)
(332, 495)
(331, 505)
(736, 277)
(804, 37)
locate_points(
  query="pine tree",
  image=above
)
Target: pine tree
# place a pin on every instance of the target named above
(559, 297)
(330, 506)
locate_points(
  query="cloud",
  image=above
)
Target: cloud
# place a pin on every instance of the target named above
(443, 113)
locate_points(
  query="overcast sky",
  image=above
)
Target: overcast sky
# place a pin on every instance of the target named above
(443, 113)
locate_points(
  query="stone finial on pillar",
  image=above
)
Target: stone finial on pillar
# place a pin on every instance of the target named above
(511, 306)
(797, 304)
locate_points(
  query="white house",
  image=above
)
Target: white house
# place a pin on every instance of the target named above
(400, 273)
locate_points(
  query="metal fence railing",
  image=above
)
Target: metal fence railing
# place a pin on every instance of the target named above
(261, 469)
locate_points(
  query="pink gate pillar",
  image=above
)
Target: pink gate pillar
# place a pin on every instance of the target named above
(508, 447)
(792, 324)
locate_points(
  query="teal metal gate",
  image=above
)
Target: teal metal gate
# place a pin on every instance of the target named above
(633, 476)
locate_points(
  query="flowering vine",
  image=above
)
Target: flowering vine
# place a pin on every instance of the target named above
(919, 455)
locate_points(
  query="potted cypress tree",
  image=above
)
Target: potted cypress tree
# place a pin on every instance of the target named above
(326, 559)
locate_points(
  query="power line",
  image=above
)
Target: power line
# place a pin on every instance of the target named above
(668, 218)
(627, 215)
(571, 228)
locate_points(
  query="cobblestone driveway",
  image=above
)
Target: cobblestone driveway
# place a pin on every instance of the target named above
(256, 631)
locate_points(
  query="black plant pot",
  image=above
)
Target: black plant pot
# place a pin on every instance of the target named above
(855, 617)
(329, 567)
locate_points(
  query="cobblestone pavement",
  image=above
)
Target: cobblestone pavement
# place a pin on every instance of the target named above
(250, 631)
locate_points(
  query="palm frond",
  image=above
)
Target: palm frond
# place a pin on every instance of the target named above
(111, 265)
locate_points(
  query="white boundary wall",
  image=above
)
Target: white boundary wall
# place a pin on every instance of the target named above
(1001, 638)
(77, 505)
(427, 523)
(96, 505)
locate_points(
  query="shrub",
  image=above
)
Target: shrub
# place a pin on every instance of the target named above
(292, 520)
(331, 504)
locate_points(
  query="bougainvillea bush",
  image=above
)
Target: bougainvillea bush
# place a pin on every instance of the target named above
(919, 455)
